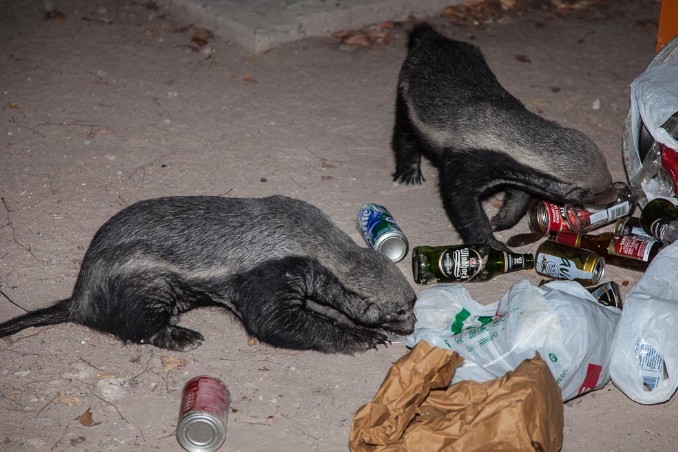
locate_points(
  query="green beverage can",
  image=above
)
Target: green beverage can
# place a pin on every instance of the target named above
(380, 231)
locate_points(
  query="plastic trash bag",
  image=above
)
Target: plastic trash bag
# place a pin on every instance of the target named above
(560, 320)
(654, 99)
(645, 353)
(652, 120)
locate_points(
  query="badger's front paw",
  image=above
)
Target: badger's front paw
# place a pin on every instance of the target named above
(410, 176)
(362, 340)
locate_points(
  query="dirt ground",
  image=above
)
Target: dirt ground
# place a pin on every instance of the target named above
(111, 102)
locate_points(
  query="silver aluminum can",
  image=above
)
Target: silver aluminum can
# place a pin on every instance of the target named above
(380, 231)
(203, 414)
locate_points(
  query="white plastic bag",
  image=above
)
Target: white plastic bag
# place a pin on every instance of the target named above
(645, 353)
(561, 320)
(654, 99)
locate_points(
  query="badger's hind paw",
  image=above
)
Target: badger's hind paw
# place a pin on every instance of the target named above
(176, 338)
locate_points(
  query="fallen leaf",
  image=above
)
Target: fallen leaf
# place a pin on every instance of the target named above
(13, 106)
(106, 376)
(169, 363)
(360, 39)
(341, 34)
(95, 132)
(523, 59)
(252, 341)
(200, 33)
(199, 41)
(67, 399)
(86, 419)
(248, 78)
(56, 16)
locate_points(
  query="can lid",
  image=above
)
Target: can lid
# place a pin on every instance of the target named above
(200, 432)
(394, 247)
(598, 271)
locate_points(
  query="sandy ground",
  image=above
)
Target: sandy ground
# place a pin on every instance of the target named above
(113, 102)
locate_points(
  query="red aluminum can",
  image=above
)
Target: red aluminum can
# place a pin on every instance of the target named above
(203, 414)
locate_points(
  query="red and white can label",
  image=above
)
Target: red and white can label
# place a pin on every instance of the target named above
(205, 394)
(556, 218)
(631, 246)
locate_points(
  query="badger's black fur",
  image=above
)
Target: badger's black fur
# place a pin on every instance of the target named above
(451, 108)
(281, 265)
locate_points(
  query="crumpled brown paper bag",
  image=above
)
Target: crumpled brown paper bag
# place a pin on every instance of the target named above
(415, 409)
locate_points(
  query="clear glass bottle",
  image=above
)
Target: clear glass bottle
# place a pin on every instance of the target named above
(587, 218)
(464, 263)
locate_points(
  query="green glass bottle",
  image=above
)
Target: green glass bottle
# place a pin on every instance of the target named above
(464, 263)
(659, 218)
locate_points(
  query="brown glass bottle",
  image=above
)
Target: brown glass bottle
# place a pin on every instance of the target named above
(629, 251)
(659, 218)
(464, 263)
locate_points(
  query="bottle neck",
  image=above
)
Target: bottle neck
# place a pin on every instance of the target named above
(517, 261)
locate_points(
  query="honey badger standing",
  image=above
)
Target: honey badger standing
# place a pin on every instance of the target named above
(451, 108)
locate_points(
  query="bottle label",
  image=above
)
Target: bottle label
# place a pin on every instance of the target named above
(513, 262)
(658, 228)
(605, 216)
(560, 267)
(631, 246)
(461, 264)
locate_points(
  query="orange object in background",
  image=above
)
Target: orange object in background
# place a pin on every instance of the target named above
(668, 22)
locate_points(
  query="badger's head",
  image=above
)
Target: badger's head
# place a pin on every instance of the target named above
(388, 296)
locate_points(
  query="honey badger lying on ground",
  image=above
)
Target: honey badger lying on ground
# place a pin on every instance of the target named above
(451, 108)
(281, 265)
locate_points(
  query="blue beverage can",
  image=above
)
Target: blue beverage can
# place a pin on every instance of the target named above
(380, 231)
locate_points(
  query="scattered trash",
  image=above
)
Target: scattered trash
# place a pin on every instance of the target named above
(543, 217)
(567, 262)
(416, 410)
(203, 414)
(645, 352)
(380, 231)
(607, 294)
(652, 119)
(561, 320)
(464, 263)
(659, 218)
(590, 217)
(627, 251)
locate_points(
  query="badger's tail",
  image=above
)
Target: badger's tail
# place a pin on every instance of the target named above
(420, 33)
(57, 313)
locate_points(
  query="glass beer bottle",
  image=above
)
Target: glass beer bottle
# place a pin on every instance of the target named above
(464, 263)
(588, 218)
(629, 251)
(659, 218)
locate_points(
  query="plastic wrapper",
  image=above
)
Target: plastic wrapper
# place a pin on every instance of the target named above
(415, 409)
(561, 320)
(645, 353)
